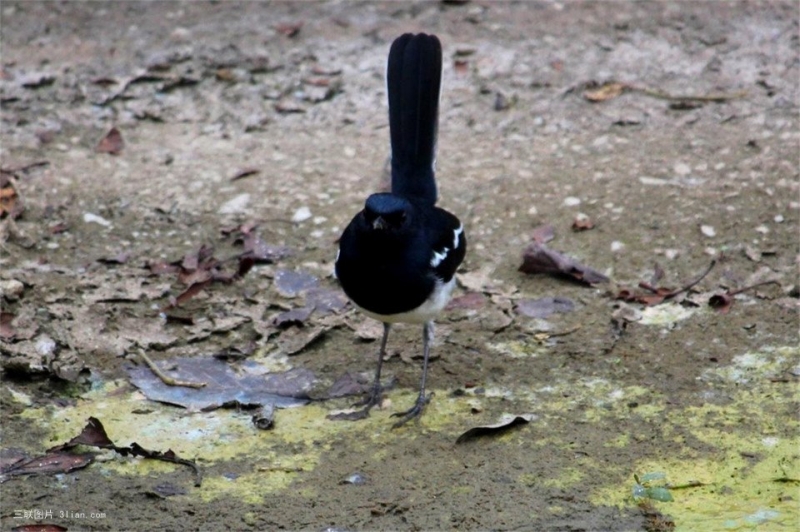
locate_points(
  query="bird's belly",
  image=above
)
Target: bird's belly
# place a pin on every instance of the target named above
(425, 312)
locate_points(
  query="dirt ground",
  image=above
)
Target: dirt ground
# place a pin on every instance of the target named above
(262, 126)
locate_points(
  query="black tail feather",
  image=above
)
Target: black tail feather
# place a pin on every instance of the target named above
(414, 79)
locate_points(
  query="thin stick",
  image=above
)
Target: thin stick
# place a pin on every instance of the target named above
(166, 379)
(714, 97)
(691, 283)
(746, 288)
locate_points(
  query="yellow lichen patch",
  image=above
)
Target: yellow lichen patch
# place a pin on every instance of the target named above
(517, 349)
(212, 439)
(750, 473)
(665, 314)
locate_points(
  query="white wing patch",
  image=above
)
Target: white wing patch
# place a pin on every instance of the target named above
(438, 257)
(457, 236)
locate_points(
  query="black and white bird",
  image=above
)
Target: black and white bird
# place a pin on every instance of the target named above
(398, 257)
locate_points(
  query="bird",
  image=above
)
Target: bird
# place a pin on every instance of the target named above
(398, 256)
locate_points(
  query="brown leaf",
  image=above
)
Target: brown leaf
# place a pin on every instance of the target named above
(53, 462)
(10, 204)
(94, 435)
(543, 234)
(469, 301)
(112, 143)
(607, 91)
(582, 223)
(187, 294)
(289, 29)
(538, 258)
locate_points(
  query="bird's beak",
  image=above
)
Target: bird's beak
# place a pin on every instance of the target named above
(379, 224)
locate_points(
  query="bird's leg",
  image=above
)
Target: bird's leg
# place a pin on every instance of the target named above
(422, 399)
(376, 393)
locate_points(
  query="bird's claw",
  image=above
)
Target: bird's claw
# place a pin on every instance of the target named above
(412, 413)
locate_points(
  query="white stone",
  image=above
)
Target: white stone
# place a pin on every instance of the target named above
(571, 201)
(682, 169)
(301, 215)
(235, 205)
(708, 230)
(88, 217)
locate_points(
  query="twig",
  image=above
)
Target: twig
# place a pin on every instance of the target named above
(692, 283)
(565, 332)
(166, 379)
(24, 168)
(746, 288)
(714, 97)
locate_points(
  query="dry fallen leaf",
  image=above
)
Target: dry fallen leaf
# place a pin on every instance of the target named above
(225, 386)
(507, 421)
(112, 143)
(289, 29)
(582, 223)
(607, 91)
(538, 258)
(543, 234)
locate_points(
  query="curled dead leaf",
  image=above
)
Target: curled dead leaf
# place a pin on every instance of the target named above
(604, 92)
(112, 143)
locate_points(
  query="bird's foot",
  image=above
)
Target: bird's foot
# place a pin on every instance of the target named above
(373, 398)
(414, 412)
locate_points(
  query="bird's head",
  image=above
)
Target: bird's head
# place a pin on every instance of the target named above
(387, 212)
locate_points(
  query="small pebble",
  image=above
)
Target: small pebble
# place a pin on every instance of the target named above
(617, 246)
(571, 201)
(778, 218)
(88, 217)
(301, 215)
(682, 169)
(355, 479)
(763, 229)
(235, 205)
(708, 230)
(45, 345)
(11, 289)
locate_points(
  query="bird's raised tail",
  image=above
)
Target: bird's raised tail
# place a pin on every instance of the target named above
(414, 79)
